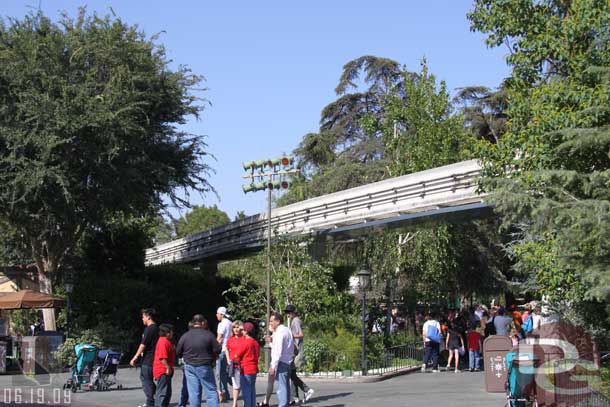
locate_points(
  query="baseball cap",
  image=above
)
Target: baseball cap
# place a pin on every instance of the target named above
(221, 310)
(249, 327)
(290, 308)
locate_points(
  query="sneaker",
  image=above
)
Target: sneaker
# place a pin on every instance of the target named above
(295, 402)
(308, 395)
(423, 368)
(457, 371)
(435, 370)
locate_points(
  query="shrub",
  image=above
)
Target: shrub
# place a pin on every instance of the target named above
(315, 352)
(66, 356)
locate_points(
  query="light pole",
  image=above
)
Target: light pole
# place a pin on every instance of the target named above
(364, 280)
(277, 176)
(69, 286)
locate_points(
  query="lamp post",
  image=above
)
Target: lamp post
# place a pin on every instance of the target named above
(69, 286)
(364, 280)
(278, 175)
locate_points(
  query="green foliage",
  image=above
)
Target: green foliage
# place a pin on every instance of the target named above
(315, 352)
(199, 219)
(421, 132)
(550, 172)
(246, 295)
(484, 111)
(21, 319)
(89, 129)
(66, 356)
(298, 279)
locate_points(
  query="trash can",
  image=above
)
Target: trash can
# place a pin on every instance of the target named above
(495, 349)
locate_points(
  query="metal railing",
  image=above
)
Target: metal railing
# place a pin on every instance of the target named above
(337, 364)
(444, 187)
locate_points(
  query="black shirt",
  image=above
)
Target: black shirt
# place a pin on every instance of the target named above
(149, 340)
(198, 347)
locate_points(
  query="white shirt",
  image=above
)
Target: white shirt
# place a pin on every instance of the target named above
(501, 323)
(224, 329)
(536, 321)
(430, 322)
(282, 346)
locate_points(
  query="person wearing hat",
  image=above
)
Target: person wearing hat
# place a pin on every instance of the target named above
(223, 333)
(294, 324)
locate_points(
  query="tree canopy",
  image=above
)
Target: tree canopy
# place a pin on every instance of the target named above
(89, 128)
(199, 219)
(550, 172)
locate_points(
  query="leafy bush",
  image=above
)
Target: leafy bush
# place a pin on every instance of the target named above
(66, 356)
(315, 351)
(21, 319)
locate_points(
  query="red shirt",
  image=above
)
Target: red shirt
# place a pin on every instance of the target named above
(234, 345)
(247, 353)
(164, 350)
(474, 340)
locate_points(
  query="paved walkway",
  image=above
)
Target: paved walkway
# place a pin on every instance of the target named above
(412, 390)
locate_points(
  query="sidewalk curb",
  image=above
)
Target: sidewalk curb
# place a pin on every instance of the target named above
(362, 379)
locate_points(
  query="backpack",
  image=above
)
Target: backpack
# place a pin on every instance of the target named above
(490, 328)
(528, 325)
(434, 334)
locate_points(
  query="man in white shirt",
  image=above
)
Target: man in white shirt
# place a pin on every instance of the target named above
(431, 332)
(282, 353)
(223, 333)
(501, 322)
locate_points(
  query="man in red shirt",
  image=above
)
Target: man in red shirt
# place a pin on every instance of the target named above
(163, 365)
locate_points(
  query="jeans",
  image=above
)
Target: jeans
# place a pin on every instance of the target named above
(296, 383)
(474, 359)
(163, 394)
(198, 377)
(222, 376)
(184, 394)
(248, 389)
(148, 384)
(431, 352)
(282, 377)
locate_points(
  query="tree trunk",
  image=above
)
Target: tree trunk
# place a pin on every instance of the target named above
(48, 314)
(47, 268)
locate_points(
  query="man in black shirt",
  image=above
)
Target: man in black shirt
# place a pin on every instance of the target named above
(199, 349)
(147, 351)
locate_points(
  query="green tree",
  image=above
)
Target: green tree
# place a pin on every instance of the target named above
(348, 150)
(421, 131)
(88, 130)
(199, 219)
(550, 173)
(484, 111)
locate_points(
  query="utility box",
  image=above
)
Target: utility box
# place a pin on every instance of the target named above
(38, 354)
(495, 349)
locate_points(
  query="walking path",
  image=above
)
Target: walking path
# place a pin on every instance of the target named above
(412, 390)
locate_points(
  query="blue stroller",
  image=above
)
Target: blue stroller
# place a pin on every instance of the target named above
(83, 368)
(105, 370)
(520, 384)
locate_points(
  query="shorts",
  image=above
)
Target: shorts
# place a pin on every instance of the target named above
(236, 379)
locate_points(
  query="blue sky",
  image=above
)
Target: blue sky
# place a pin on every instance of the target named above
(271, 66)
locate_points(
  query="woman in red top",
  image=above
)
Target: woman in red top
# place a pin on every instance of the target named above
(234, 344)
(248, 357)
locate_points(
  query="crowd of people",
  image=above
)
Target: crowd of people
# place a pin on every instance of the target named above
(214, 363)
(454, 337)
